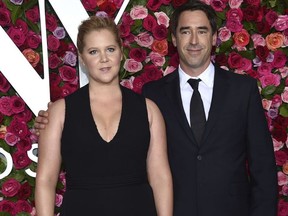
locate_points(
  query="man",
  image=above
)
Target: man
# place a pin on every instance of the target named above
(230, 170)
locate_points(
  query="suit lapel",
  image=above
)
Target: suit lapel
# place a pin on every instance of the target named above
(172, 89)
(220, 89)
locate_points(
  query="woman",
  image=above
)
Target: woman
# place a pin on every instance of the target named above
(110, 140)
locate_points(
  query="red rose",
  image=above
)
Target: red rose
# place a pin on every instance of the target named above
(23, 206)
(55, 79)
(4, 17)
(54, 61)
(16, 35)
(89, 5)
(67, 73)
(138, 83)
(149, 23)
(271, 16)
(138, 54)
(4, 84)
(253, 2)
(126, 19)
(174, 60)
(151, 72)
(53, 43)
(51, 22)
(263, 27)
(281, 157)
(218, 5)
(22, 26)
(63, 47)
(253, 73)
(68, 89)
(282, 208)
(160, 32)
(33, 40)
(280, 120)
(25, 191)
(262, 52)
(7, 206)
(5, 106)
(177, 3)
(153, 5)
(221, 59)
(280, 59)
(24, 144)
(234, 60)
(109, 7)
(55, 92)
(33, 14)
(18, 128)
(24, 116)
(124, 30)
(17, 104)
(160, 47)
(20, 159)
(279, 133)
(10, 187)
(250, 13)
(234, 25)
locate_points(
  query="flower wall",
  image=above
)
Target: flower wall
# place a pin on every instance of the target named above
(252, 40)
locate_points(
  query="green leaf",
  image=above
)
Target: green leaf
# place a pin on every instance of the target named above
(22, 214)
(225, 46)
(283, 109)
(4, 145)
(247, 54)
(5, 214)
(16, 13)
(272, 3)
(268, 91)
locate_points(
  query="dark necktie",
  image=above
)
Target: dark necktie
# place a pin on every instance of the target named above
(197, 114)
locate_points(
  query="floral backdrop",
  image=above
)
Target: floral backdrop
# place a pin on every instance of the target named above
(252, 40)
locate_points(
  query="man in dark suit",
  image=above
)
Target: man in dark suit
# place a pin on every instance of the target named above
(231, 170)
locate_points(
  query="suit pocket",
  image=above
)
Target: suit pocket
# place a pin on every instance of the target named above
(240, 188)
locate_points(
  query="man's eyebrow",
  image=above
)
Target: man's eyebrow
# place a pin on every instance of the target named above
(199, 27)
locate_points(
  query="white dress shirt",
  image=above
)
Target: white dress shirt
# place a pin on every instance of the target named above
(205, 88)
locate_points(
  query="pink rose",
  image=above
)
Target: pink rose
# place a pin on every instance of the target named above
(4, 84)
(127, 20)
(160, 32)
(67, 73)
(11, 139)
(266, 103)
(153, 5)
(149, 23)
(157, 59)
(234, 60)
(271, 16)
(264, 69)
(284, 73)
(144, 39)
(281, 157)
(224, 34)
(234, 25)
(276, 101)
(282, 207)
(235, 3)
(138, 54)
(280, 59)
(54, 61)
(51, 22)
(5, 106)
(160, 46)
(53, 43)
(132, 66)
(33, 14)
(138, 12)
(33, 40)
(128, 83)
(285, 192)
(18, 128)
(7, 206)
(17, 104)
(258, 40)
(281, 23)
(23, 206)
(124, 30)
(235, 14)
(5, 19)
(169, 70)
(25, 191)
(17, 35)
(22, 26)
(282, 178)
(58, 200)
(20, 159)
(270, 79)
(277, 145)
(10, 187)
(284, 95)
(218, 5)
(162, 19)
(89, 5)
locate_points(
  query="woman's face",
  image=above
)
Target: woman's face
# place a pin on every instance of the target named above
(101, 56)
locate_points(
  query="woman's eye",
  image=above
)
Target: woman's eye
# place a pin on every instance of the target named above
(111, 49)
(92, 52)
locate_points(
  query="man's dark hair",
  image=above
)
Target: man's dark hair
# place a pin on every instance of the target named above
(193, 5)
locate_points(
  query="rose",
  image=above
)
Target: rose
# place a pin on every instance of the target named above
(67, 73)
(59, 33)
(53, 43)
(22, 26)
(285, 190)
(18, 128)
(280, 59)
(252, 73)
(151, 72)
(153, 5)
(89, 5)
(178, 3)
(11, 139)
(160, 47)
(279, 133)
(58, 199)
(162, 19)
(5, 106)
(281, 157)
(262, 27)
(5, 19)
(17, 35)
(264, 69)
(144, 39)
(127, 20)
(128, 83)
(24, 144)
(266, 103)
(168, 70)
(17, 104)
(32, 56)
(17, 2)
(281, 23)
(272, 113)
(33, 14)
(54, 61)
(33, 40)
(51, 22)
(284, 95)
(23, 206)
(277, 145)
(274, 41)
(138, 83)
(262, 52)
(24, 116)
(109, 7)
(253, 2)
(234, 60)
(124, 30)
(62, 49)
(4, 84)
(276, 102)
(67, 89)
(20, 159)
(7, 206)
(70, 58)
(241, 38)
(174, 60)
(132, 66)
(138, 12)
(218, 5)
(271, 16)
(234, 25)
(251, 13)
(138, 54)
(149, 22)
(235, 3)
(10, 187)
(224, 34)
(282, 178)
(285, 167)
(160, 32)
(157, 59)
(282, 207)
(270, 79)
(25, 191)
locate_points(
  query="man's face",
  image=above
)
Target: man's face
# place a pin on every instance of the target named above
(194, 41)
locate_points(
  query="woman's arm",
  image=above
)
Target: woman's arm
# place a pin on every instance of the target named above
(49, 160)
(159, 174)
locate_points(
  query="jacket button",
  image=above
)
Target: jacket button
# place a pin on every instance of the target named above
(199, 157)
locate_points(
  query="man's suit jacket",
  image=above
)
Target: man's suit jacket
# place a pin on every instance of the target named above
(211, 179)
